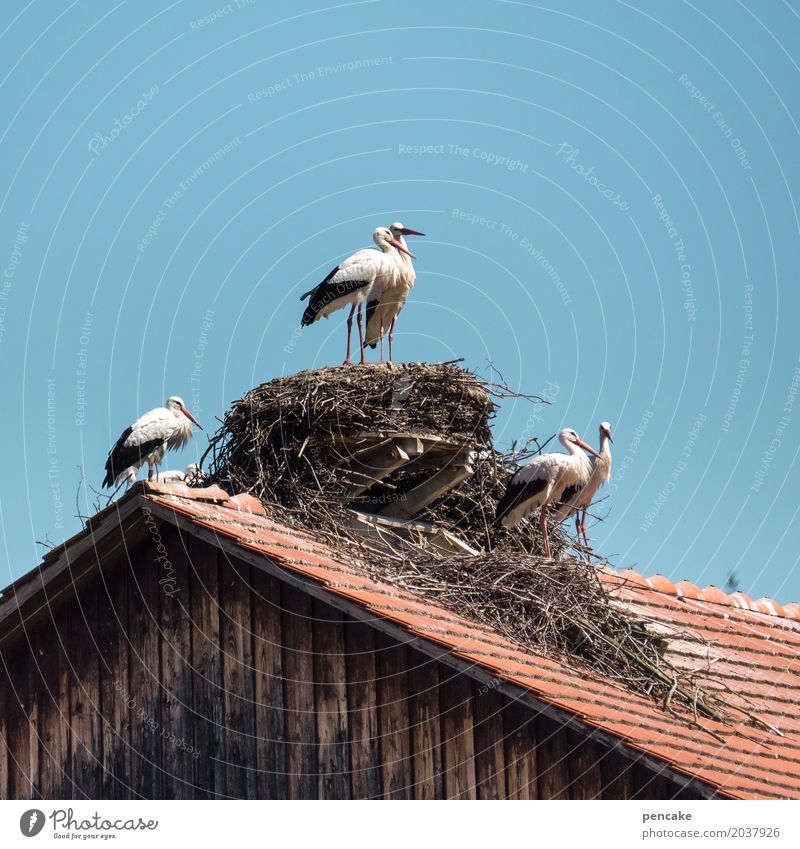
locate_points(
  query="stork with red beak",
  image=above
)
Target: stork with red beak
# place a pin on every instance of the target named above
(386, 301)
(542, 481)
(351, 283)
(147, 440)
(578, 497)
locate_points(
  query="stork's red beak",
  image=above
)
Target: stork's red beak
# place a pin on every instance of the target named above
(586, 447)
(190, 417)
(407, 231)
(399, 247)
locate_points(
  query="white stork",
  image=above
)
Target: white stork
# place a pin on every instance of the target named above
(578, 497)
(147, 440)
(386, 301)
(351, 282)
(541, 481)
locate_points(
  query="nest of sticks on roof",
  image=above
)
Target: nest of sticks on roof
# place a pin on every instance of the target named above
(314, 444)
(318, 445)
(559, 608)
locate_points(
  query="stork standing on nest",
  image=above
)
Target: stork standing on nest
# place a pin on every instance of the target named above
(542, 481)
(577, 498)
(147, 440)
(352, 281)
(386, 301)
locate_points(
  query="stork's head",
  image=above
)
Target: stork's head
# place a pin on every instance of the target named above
(384, 239)
(569, 439)
(194, 474)
(605, 431)
(399, 230)
(176, 405)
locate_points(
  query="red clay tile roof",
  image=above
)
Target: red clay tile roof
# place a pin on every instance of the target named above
(753, 648)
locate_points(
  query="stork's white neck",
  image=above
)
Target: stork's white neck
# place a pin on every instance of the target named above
(405, 259)
(602, 465)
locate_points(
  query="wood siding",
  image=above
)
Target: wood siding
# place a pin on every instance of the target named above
(203, 677)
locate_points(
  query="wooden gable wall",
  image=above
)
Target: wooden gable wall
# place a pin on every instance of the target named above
(198, 676)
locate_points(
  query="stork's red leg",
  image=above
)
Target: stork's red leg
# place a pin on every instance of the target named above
(381, 343)
(578, 530)
(585, 537)
(361, 335)
(347, 361)
(149, 471)
(391, 339)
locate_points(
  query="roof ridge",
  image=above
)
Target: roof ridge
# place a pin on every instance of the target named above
(711, 594)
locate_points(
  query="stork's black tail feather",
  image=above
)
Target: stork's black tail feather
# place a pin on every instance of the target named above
(330, 295)
(567, 495)
(314, 306)
(317, 301)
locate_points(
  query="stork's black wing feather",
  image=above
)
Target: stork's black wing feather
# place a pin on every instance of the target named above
(314, 289)
(122, 456)
(327, 292)
(517, 492)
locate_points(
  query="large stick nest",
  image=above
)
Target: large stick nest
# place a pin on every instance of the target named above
(283, 442)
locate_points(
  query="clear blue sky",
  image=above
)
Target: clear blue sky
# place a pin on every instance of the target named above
(610, 192)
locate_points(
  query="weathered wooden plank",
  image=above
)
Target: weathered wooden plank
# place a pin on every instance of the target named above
(86, 753)
(115, 685)
(330, 693)
(209, 773)
(5, 753)
(438, 484)
(372, 467)
(519, 726)
(458, 745)
(270, 744)
(394, 730)
(362, 705)
(298, 694)
(21, 778)
(177, 721)
(649, 784)
(35, 730)
(490, 761)
(237, 681)
(616, 774)
(585, 776)
(552, 756)
(54, 758)
(423, 682)
(145, 672)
